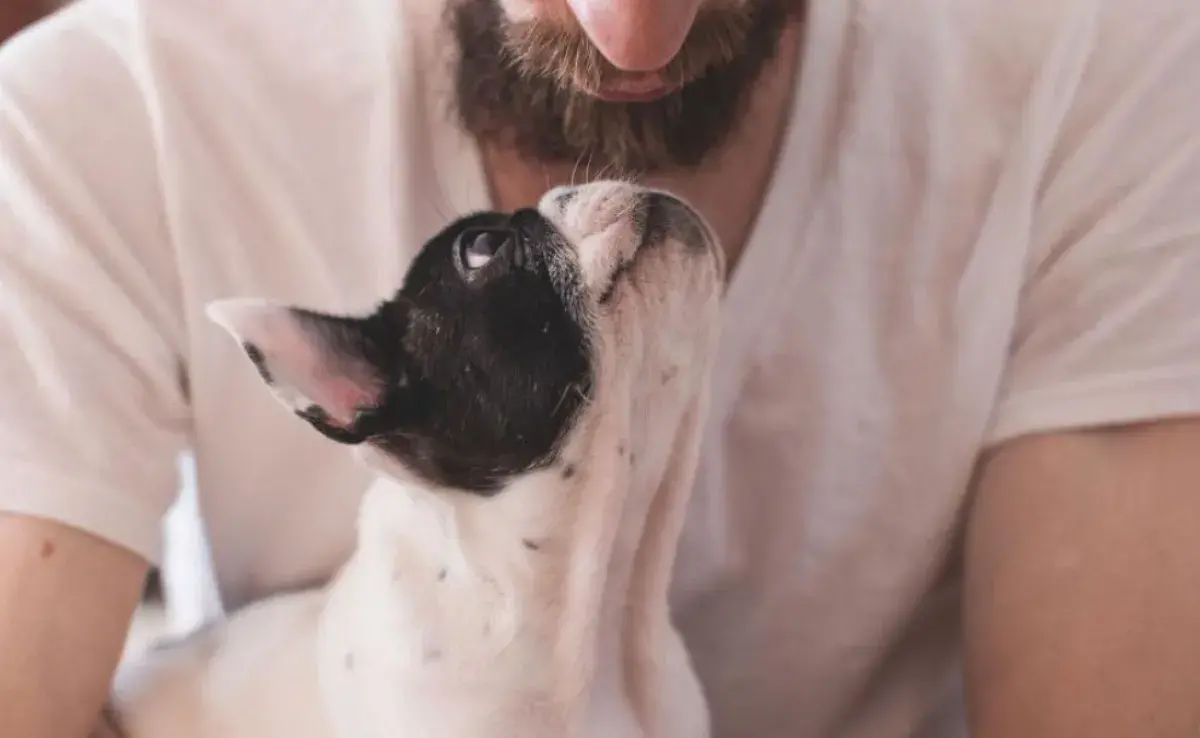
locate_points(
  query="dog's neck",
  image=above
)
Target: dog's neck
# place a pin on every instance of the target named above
(558, 584)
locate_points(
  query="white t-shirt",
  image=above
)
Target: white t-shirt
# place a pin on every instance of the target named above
(985, 223)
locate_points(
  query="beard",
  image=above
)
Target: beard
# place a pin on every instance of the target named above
(525, 86)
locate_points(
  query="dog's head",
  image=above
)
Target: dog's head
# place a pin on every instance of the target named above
(507, 325)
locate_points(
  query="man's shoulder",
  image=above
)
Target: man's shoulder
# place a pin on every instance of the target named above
(154, 45)
(312, 42)
(1007, 46)
(1035, 22)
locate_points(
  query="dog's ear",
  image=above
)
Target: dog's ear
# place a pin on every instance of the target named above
(325, 368)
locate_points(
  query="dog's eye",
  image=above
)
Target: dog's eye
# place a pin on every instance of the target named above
(476, 248)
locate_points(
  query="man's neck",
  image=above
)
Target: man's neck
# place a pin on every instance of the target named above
(748, 159)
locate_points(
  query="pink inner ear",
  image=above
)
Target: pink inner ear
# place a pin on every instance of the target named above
(300, 360)
(333, 381)
(342, 397)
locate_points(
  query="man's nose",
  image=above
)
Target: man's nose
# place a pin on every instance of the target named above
(636, 35)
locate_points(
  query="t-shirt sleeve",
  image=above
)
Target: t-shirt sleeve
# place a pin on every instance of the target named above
(93, 413)
(1108, 329)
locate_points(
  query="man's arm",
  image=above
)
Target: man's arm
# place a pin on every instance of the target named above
(66, 600)
(93, 414)
(1082, 611)
(1083, 586)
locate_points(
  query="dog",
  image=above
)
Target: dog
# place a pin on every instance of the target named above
(532, 400)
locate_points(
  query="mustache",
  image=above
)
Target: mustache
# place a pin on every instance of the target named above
(564, 53)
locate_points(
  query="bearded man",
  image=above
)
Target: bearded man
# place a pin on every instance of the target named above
(948, 486)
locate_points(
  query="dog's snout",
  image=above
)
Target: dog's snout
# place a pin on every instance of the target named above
(618, 229)
(563, 196)
(556, 201)
(653, 215)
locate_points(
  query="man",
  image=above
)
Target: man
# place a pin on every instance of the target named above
(952, 456)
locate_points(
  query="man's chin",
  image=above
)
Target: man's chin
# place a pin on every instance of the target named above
(630, 123)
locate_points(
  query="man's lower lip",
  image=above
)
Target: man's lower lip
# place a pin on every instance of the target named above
(641, 96)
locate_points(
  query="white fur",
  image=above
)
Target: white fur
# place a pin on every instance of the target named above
(540, 612)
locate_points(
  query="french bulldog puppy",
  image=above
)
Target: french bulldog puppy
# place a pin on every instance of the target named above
(532, 399)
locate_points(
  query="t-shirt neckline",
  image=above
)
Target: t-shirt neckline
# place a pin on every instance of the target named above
(748, 299)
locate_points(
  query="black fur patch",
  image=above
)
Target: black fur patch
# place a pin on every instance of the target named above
(319, 419)
(484, 369)
(259, 361)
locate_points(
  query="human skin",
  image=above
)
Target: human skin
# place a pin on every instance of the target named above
(66, 602)
(1081, 601)
(57, 664)
(67, 661)
(1080, 556)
